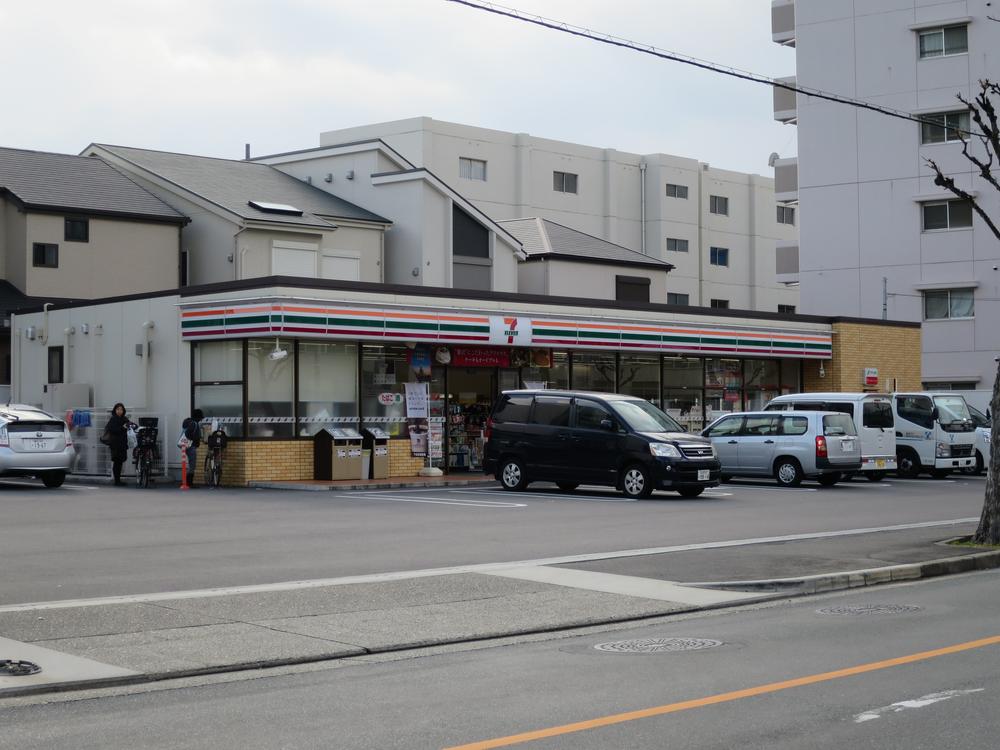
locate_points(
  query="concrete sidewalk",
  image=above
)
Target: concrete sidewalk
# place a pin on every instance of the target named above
(89, 643)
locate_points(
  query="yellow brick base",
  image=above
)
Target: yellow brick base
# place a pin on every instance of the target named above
(893, 348)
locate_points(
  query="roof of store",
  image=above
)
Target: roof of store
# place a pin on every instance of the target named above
(543, 238)
(43, 181)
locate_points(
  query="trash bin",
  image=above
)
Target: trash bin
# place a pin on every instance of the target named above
(337, 453)
(377, 441)
(366, 463)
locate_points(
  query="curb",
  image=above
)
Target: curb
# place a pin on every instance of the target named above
(367, 485)
(826, 582)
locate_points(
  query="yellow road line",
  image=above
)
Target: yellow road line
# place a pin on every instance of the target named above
(774, 687)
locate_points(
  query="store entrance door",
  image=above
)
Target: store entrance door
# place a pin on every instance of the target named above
(471, 394)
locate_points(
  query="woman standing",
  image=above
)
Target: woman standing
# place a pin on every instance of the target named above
(117, 429)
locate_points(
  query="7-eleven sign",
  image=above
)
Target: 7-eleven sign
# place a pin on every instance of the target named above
(509, 330)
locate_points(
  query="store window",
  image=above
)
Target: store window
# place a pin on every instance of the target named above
(763, 382)
(683, 394)
(594, 371)
(218, 383)
(328, 386)
(791, 376)
(550, 371)
(639, 375)
(723, 387)
(271, 387)
(384, 371)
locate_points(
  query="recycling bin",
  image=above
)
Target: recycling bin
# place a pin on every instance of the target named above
(337, 453)
(377, 441)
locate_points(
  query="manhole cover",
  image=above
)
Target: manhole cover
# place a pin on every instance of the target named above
(869, 609)
(655, 645)
(18, 668)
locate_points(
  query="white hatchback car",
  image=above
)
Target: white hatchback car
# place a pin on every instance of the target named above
(33, 443)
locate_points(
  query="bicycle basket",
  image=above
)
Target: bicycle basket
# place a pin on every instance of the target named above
(147, 437)
(218, 439)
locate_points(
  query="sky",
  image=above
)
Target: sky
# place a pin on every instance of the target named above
(207, 76)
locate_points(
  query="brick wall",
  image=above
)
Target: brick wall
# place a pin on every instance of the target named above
(401, 463)
(261, 461)
(892, 348)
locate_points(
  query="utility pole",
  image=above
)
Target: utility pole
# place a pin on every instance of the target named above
(885, 298)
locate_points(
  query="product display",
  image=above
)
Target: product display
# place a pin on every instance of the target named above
(465, 435)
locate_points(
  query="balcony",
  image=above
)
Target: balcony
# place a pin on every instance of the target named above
(786, 262)
(786, 180)
(785, 106)
(783, 22)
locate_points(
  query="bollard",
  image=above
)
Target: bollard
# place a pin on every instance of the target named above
(183, 445)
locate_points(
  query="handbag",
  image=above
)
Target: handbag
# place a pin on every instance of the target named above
(106, 437)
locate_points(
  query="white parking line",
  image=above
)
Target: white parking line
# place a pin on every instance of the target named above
(399, 499)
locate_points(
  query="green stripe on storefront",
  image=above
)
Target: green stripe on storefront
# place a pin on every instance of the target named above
(681, 339)
(355, 323)
(310, 319)
(712, 340)
(411, 326)
(788, 344)
(464, 328)
(640, 337)
(557, 332)
(598, 334)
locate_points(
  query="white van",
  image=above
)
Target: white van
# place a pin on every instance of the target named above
(873, 417)
(934, 433)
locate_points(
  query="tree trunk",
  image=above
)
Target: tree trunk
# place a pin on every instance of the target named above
(989, 523)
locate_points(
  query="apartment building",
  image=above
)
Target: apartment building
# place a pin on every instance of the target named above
(718, 228)
(877, 237)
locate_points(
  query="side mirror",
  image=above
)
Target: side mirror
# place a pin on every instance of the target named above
(935, 414)
(607, 424)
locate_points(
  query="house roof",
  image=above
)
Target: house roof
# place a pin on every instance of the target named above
(542, 238)
(232, 184)
(66, 183)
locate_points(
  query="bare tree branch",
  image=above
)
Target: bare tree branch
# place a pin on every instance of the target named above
(948, 183)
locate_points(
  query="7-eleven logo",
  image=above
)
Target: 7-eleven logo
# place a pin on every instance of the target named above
(510, 329)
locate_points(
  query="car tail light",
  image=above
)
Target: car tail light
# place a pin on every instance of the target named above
(69, 437)
(488, 428)
(820, 447)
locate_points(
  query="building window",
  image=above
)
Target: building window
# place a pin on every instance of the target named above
(719, 256)
(677, 191)
(786, 309)
(676, 298)
(944, 127)
(945, 304)
(564, 182)
(947, 215)
(717, 204)
(469, 238)
(218, 383)
(631, 289)
(55, 364)
(270, 388)
(472, 169)
(45, 255)
(77, 230)
(948, 40)
(720, 304)
(786, 215)
(675, 245)
(960, 385)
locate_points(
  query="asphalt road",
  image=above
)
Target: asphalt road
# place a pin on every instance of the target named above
(783, 676)
(80, 542)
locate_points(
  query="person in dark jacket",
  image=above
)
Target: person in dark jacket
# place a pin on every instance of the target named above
(117, 429)
(191, 429)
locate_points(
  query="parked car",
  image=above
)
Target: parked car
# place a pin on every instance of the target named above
(984, 433)
(33, 443)
(573, 438)
(789, 446)
(872, 415)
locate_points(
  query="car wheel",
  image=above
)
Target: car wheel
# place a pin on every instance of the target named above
(940, 473)
(788, 472)
(875, 476)
(53, 478)
(828, 480)
(567, 486)
(512, 476)
(907, 464)
(977, 469)
(690, 491)
(635, 482)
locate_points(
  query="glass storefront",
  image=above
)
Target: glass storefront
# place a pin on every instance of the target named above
(256, 393)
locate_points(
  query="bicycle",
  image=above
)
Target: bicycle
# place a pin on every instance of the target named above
(144, 454)
(213, 459)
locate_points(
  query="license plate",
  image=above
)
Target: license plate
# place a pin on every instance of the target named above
(36, 445)
(848, 445)
(703, 475)
(879, 463)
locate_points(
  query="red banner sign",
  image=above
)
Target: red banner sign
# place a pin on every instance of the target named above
(479, 356)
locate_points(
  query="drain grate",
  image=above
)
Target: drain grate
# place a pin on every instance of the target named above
(657, 645)
(869, 609)
(18, 668)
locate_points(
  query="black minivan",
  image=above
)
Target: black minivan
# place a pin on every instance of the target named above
(575, 438)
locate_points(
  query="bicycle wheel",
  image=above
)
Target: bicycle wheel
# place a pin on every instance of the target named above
(217, 472)
(209, 470)
(142, 474)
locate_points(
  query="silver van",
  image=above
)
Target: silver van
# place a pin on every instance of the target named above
(789, 446)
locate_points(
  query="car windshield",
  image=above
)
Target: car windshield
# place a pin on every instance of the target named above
(979, 418)
(642, 416)
(952, 409)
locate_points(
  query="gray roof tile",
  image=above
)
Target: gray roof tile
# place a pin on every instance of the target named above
(64, 182)
(542, 237)
(232, 184)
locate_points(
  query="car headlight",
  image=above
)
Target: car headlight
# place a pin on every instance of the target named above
(943, 450)
(664, 450)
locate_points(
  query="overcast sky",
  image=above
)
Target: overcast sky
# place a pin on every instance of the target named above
(207, 76)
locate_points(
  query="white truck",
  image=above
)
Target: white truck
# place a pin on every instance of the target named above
(984, 434)
(934, 433)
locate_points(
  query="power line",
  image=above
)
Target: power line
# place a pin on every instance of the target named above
(647, 49)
